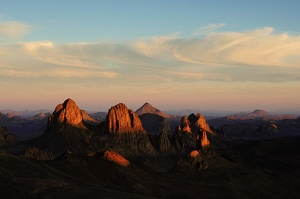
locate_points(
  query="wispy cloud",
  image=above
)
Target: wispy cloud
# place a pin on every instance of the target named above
(13, 29)
(208, 29)
(255, 55)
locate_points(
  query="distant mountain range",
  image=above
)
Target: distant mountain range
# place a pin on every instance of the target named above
(25, 113)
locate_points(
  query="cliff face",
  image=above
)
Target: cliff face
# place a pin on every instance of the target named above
(185, 125)
(65, 131)
(66, 114)
(125, 132)
(120, 119)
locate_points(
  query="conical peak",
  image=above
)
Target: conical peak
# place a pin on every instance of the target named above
(67, 113)
(148, 108)
(147, 104)
(69, 102)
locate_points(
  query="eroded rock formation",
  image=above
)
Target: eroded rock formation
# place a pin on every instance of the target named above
(120, 119)
(193, 160)
(164, 144)
(185, 125)
(66, 114)
(192, 133)
(125, 131)
(115, 157)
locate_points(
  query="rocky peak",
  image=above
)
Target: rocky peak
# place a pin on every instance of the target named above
(148, 108)
(185, 125)
(120, 119)
(258, 113)
(202, 124)
(67, 113)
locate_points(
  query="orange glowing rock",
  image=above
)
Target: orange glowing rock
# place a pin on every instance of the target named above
(204, 141)
(115, 157)
(194, 154)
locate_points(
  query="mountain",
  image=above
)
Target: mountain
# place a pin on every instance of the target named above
(125, 132)
(66, 114)
(148, 108)
(261, 114)
(118, 158)
(154, 124)
(86, 118)
(257, 125)
(65, 131)
(25, 113)
(120, 119)
(99, 116)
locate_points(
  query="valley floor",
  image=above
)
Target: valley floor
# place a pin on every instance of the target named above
(255, 169)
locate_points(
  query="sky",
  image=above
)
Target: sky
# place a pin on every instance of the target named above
(205, 54)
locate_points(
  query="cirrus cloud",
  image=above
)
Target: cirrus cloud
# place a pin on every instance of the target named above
(13, 29)
(258, 55)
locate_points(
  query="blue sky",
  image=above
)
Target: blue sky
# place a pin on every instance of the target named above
(224, 55)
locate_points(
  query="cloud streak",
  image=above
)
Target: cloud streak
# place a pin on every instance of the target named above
(13, 29)
(258, 55)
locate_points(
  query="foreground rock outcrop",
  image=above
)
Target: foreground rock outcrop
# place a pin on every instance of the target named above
(193, 160)
(113, 156)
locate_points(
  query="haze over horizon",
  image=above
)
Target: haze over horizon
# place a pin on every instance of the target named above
(208, 55)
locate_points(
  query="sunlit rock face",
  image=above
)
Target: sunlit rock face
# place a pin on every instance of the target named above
(204, 140)
(65, 131)
(125, 131)
(198, 122)
(115, 157)
(67, 114)
(120, 119)
(185, 125)
(192, 133)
